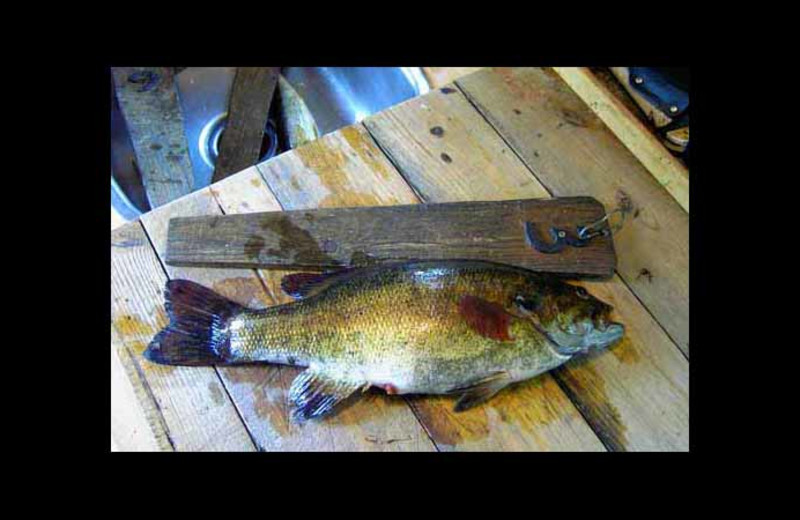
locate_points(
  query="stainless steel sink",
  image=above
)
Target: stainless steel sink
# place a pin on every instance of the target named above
(335, 96)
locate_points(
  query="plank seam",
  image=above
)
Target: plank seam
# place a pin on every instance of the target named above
(571, 395)
(414, 190)
(394, 164)
(421, 199)
(532, 172)
(149, 391)
(145, 385)
(269, 186)
(272, 298)
(216, 370)
(571, 76)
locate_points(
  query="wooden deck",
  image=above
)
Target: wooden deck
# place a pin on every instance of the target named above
(508, 134)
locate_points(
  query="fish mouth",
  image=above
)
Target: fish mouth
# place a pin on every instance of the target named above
(602, 337)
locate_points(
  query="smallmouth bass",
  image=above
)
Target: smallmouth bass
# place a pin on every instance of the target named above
(468, 328)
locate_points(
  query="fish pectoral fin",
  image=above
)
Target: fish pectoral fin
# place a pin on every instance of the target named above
(481, 390)
(314, 393)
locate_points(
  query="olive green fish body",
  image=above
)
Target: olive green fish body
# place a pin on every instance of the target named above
(420, 327)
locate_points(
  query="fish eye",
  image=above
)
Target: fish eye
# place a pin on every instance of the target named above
(581, 292)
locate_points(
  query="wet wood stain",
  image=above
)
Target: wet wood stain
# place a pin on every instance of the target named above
(245, 290)
(253, 247)
(216, 393)
(625, 352)
(449, 428)
(366, 151)
(295, 243)
(264, 381)
(586, 388)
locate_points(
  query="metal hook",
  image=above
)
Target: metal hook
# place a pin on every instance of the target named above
(583, 231)
(560, 238)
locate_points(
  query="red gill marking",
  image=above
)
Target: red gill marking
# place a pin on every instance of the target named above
(486, 318)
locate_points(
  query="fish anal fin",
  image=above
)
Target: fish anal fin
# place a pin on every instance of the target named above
(314, 393)
(481, 390)
(487, 318)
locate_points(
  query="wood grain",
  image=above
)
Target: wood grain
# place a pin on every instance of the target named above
(637, 137)
(248, 110)
(178, 403)
(441, 76)
(260, 392)
(572, 152)
(635, 395)
(155, 124)
(331, 237)
(346, 169)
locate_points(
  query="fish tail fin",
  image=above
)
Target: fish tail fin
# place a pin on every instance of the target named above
(197, 332)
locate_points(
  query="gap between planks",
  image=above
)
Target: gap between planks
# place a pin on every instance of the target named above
(673, 335)
(550, 192)
(392, 118)
(145, 385)
(662, 165)
(420, 199)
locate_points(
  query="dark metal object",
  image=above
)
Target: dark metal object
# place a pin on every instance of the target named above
(665, 89)
(560, 239)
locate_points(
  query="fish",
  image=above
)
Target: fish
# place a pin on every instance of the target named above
(297, 123)
(458, 327)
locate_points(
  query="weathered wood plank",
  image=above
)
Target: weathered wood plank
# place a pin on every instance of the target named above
(572, 152)
(180, 404)
(155, 123)
(260, 393)
(634, 394)
(346, 169)
(440, 76)
(642, 143)
(248, 110)
(331, 237)
(132, 410)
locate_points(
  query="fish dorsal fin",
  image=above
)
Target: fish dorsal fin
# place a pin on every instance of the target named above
(314, 393)
(481, 390)
(487, 318)
(303, 285)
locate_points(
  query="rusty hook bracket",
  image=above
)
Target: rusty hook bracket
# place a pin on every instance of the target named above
(560, 238)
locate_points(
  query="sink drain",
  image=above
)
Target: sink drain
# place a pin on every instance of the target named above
(208, 142)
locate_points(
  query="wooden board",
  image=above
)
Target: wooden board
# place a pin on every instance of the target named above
(155, 123)
(634, 395)
(248, 109)
(572, 152)
(260, 393)
(346, 169)
(183, 406)
(441, 76)
(648, 149)
(327, 238)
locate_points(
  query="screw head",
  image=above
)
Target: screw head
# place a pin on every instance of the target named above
(561, 234)
(673, 109)
(638, 80)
